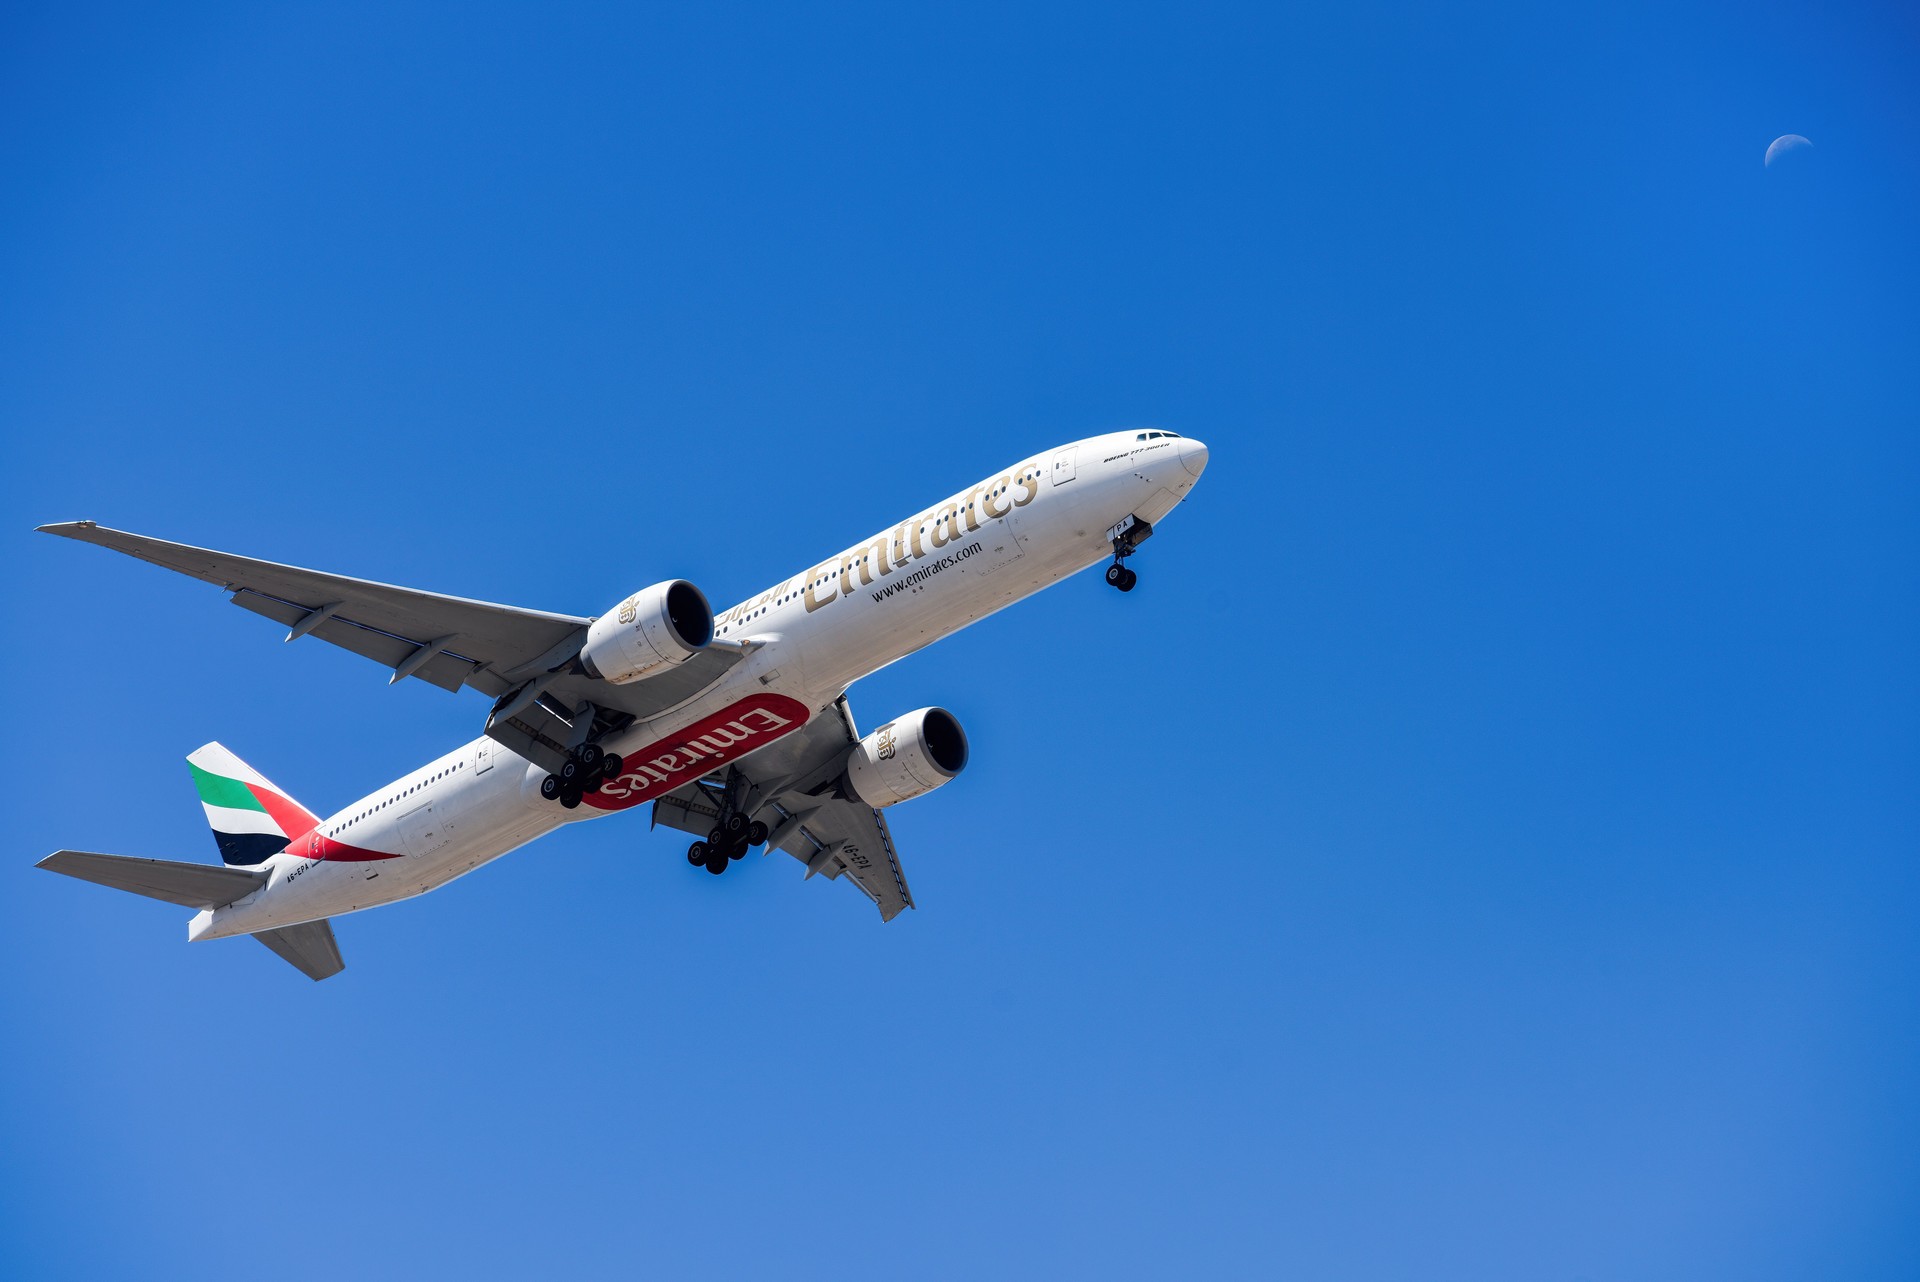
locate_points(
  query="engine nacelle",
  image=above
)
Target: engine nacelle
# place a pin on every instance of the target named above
(654, 629)
(908, 757)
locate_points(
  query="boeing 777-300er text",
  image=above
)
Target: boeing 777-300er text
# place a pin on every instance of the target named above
(734, 726)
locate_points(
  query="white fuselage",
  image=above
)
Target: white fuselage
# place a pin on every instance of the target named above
(951, 565)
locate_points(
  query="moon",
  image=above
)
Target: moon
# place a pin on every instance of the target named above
(1782, 145)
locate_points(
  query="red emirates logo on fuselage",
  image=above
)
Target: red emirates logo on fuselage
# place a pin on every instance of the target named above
(680, 758)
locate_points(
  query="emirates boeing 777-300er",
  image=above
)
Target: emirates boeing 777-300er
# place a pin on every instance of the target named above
(734, 726)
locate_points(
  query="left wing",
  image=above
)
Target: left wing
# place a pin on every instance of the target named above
(515, 655)
(789, 787)
(445, 640)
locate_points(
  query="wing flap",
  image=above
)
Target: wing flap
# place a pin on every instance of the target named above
(189, 885)
(447, 669)
(861, 846)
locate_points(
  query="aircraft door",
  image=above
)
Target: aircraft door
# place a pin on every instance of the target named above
(1001, 545)
(1063, 465)
(483, 755)
(424, 829)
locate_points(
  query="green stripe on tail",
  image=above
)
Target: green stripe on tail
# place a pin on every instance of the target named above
(218, 790)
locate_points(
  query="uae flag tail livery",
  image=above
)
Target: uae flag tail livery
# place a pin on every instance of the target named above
(251, 819)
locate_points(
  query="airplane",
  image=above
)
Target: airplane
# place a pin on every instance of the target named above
(735, 727)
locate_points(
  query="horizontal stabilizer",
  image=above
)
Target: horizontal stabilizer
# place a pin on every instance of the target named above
(309, 946)
(190, 885)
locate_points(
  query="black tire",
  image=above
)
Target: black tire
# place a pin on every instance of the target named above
(612, 766)
(737, 850)
(756, 833)
(716, 866)
(591, 755)
(717, 839)
(1115, 574)
(697, 854)
(570, 797)
(569, 770)
(736, 824)
(1128, 580)
(550, 788)
(591, 784)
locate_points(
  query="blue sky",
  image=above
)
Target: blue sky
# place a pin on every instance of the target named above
(1483, 848)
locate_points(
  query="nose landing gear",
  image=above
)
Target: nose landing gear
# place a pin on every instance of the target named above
(585, 769)
(1126, 538)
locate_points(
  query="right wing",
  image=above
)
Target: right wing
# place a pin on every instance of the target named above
(785, 786)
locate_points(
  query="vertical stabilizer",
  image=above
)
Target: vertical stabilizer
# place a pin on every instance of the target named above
(251, 819)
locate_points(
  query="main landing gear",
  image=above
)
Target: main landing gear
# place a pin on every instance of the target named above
(1126, 538)
(734, 831)
(585, 769)
(731, 837)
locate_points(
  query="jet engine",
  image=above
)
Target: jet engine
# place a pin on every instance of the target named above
(908, 757)
(654, 629)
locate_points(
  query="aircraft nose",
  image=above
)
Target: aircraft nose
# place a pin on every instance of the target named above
(1193, 456)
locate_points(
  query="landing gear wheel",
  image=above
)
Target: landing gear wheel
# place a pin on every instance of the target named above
(569, 770)
(550, 788)
(737, 850)
(756, 833)
(612, 766)
(716, 865)
(1116, 575)
(717, 838)
(570, 797)
(592, 783)
(697, 854)
(1127, 579)
(735, 824)
(591, 755)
